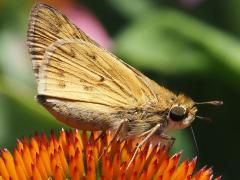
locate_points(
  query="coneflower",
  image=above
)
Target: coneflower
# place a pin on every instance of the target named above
(75, 155)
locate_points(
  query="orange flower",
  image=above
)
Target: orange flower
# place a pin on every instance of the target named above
(74, 156)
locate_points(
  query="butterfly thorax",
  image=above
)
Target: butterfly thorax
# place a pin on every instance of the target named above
(140, 121)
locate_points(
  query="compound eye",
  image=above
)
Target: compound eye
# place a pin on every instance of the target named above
(177, 113)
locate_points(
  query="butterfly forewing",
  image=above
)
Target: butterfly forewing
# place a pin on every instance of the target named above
(47, 25)
(79, 70)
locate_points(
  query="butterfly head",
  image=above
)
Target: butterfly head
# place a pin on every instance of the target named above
(182, 113)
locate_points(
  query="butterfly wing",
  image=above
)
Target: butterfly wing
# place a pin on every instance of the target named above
(47, 25)
(79, 70)
(82, 84)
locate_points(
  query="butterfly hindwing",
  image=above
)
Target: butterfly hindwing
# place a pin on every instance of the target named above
(79, 70)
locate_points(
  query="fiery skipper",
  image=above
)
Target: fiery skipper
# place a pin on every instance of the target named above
(86, 87)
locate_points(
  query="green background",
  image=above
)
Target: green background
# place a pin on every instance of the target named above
(189, 46)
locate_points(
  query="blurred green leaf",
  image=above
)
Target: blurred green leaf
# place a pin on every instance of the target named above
(133, 8)
(183, 142)
(21, 113)
(233, 15)
(172, 42)
(4, 128)
(14, 58)
(21, 95)
(152, 48)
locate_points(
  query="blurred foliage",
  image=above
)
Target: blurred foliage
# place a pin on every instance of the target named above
(187, 46)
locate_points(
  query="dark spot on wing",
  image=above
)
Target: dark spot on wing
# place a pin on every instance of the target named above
(101, 79)
(72, 53)
(61, 84)
(55, 29)
(74, 35)
(67, 51)
(92, 56)
(87, 88)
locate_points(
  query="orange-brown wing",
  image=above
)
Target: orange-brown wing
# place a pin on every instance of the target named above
(81, 71)
(47, 25)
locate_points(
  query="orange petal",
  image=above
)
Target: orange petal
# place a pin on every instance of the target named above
(72, 166)
(3, 169)
(122, 171)
(9, 162)
(181, 171)
(44, 139)
(91, 173)
(191, 167)
(199, 173)
(20, 172)
(79, 162)
(140, 161)
(168, 174)
(76, 175)
(152, 169)
(43, 154)
(116, 165)
(18, 160)
(206, 175)
(143, 176)
(27, 159)
(34, 144)
(84, 138)
(19, 145)
(171, 166)
(55, 161)
(79, 142)
(63, 140)
(41, 167)
(162, 168)
(70, 150)
(50, 146)
(218, 178)
(134, 176)
(35, 173)
(58, 173)
(63, 160)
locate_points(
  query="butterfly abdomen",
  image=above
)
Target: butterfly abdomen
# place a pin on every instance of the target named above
(79, 114)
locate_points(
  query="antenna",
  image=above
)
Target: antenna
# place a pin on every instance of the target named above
(215, 103)
(195, 141)
(206, 119)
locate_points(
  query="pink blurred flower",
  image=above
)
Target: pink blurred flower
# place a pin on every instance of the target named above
(84, 19)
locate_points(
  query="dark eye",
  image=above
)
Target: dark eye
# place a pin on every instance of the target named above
(177, 113)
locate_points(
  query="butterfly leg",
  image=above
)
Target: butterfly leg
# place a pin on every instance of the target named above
(170, 140)
(151, 132)
(114, 137)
